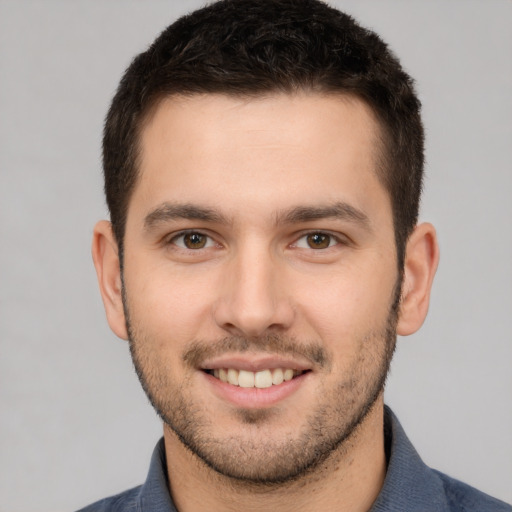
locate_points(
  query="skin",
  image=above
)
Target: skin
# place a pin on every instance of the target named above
(251, 179)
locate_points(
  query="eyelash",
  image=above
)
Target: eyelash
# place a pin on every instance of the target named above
(336, 239)
(210, 242)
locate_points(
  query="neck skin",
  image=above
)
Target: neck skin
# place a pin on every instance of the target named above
(349, 480)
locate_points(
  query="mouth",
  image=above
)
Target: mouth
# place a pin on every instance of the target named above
(261, 379)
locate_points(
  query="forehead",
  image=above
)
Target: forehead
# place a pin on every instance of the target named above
(277, 149)
(322, 115)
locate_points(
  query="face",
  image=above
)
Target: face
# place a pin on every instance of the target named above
(260, 282)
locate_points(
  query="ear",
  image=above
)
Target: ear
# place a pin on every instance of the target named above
(421, 259)
(106, 260)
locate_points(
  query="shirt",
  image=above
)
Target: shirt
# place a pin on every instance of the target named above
(409, 486)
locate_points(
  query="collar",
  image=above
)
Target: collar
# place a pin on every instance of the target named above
(409, 484)
(154, 495)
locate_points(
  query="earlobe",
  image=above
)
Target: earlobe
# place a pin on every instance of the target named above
(106, 260)
(421, 259)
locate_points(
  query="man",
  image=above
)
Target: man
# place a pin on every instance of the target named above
(263, 165)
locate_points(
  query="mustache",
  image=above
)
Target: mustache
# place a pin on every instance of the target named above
(275, 344)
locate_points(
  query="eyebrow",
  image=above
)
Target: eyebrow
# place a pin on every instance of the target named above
(172, 211)
(168, 212)
(339, 210)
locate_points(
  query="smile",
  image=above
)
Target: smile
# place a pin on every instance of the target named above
(260, 379)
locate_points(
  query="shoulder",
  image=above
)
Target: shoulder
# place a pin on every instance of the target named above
(462, 497)
(410, 485)
(123, 502)
(152, 496)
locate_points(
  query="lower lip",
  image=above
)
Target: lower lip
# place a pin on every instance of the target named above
(255, 398)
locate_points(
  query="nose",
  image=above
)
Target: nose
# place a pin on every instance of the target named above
(253, 299)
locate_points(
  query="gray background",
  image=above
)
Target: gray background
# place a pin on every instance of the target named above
(74, 425)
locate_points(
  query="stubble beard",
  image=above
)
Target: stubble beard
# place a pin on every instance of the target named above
(254, 457)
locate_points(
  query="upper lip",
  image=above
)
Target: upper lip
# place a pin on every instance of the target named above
(255, 363)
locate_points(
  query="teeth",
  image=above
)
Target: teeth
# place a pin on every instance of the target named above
(245, 379)
(233, 376)
(277, 377)
(261, 379)
(288, 374)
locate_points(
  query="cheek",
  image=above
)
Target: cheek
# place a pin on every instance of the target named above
(168, 305)
(347, 304)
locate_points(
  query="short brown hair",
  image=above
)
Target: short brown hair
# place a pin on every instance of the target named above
(252, 47)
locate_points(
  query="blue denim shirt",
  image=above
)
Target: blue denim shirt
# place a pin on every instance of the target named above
(410, 486)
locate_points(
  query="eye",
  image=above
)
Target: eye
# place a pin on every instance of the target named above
(316, 240)
(192, 240)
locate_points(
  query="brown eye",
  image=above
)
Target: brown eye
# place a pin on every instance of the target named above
(194, 240)
(318, 240)
(190, 241)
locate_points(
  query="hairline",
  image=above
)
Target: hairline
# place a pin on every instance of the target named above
(381, 134)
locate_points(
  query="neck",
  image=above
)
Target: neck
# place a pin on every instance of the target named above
(349, 480)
